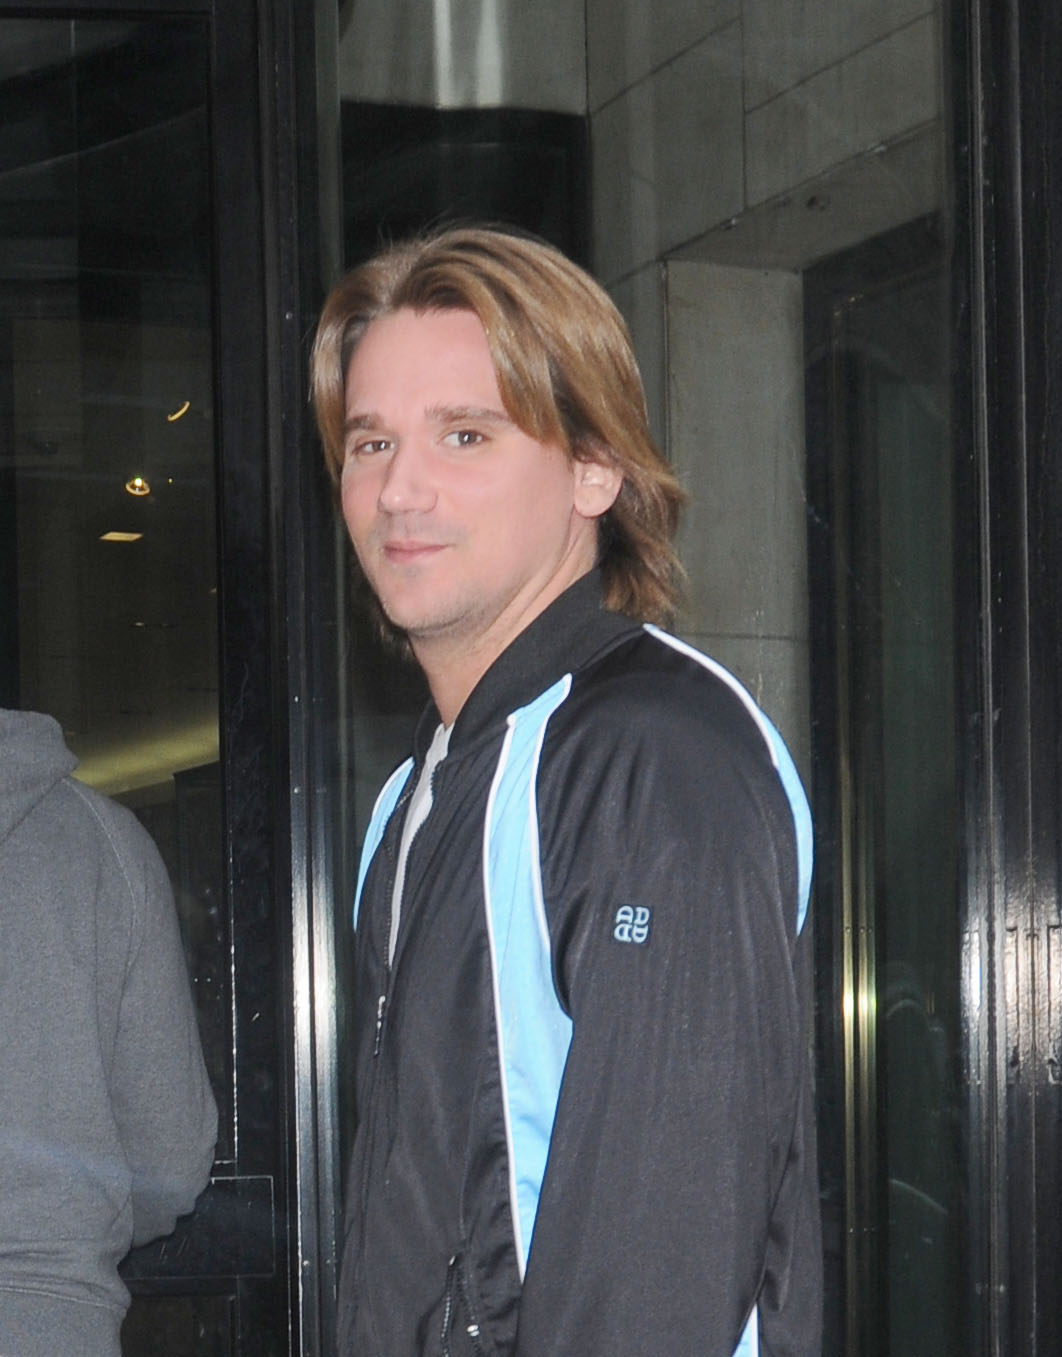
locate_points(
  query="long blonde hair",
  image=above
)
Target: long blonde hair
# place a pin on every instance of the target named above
(566, 374)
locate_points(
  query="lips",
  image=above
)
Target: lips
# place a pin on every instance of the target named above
(407, 551)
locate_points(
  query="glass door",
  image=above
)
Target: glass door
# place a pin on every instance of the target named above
(111, 583)
(886, 693)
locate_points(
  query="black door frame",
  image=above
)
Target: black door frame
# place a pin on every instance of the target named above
(1009, 320)
(1004, 230)
(269, 1221)
(278, 176)
(276, 117)
(852, 911)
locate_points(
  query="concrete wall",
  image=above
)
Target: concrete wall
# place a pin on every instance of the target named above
(705, 110)
(734, 143)
(736, 415)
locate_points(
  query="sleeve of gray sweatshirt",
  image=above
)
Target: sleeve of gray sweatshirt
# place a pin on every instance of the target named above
(160, 1094)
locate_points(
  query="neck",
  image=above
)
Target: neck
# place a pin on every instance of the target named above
(453, 667)
(453, 664)
(451, 686)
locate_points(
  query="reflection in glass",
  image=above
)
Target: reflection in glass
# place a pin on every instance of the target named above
(906, 576)
(104, 281)
(890, 1075)
(107, 549)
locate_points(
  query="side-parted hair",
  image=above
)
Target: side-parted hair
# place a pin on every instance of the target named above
(566, 373)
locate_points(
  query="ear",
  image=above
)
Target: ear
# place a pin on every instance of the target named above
(597, 483)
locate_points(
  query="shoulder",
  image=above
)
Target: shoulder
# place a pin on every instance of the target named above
(656, 744)
(660, 745)
(120, 840)
(657, 700)
(660, 785)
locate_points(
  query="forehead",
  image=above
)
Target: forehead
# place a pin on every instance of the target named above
(411, 354)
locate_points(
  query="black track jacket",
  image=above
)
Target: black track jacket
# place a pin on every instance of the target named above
(582, 1085)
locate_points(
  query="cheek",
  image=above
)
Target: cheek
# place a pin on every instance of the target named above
(551, 498)
(357, 499)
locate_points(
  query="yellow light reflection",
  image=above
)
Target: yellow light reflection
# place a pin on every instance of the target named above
(176, 415)
(117, 763)
(868, 1003)
(137, 485)
(121, 536)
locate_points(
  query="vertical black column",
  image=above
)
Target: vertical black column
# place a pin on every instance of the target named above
(302, 221)
(1039, 203)
(254, 765)
(1013, 137)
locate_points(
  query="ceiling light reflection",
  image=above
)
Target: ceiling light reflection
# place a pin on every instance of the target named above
(123, 760)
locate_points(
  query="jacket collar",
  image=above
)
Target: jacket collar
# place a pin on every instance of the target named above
(573, 630)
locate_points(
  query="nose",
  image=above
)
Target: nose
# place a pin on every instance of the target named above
(408, 485)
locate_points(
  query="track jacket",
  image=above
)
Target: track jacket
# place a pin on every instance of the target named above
(582, 1081)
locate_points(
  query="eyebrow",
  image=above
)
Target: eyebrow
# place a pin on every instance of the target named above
(353, 423)
(438, 414)
(454, 414)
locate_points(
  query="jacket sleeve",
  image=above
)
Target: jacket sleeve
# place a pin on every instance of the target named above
(160, 1093)
(680, 1181)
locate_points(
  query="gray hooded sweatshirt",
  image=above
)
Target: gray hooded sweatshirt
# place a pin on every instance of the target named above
(107, 1121)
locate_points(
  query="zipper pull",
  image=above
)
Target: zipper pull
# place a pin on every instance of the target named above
(381, 1008)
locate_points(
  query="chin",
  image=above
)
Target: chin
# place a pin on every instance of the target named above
(412, 612)
(412, 622)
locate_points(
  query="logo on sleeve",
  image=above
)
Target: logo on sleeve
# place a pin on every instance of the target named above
(632, 924)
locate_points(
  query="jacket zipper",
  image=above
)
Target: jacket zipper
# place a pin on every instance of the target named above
(472, 1327)
(455, 1273)
(402, 807)
(392, 870)
(381, 1009)
(372, 1102)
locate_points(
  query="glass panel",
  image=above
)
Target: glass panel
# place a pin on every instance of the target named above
(108, 423)
(904, 385)
(885, 437)
(107, 420)
(734, 146)
(108, 558)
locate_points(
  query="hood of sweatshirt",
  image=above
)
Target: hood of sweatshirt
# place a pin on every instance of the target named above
(33, 758)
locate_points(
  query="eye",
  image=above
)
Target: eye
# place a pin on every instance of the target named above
(366, 447)
(463, 438)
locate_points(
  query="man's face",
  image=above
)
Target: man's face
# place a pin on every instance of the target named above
(465, 526)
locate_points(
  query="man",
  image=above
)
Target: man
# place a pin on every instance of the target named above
(107, 1121)
(581, 1072)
